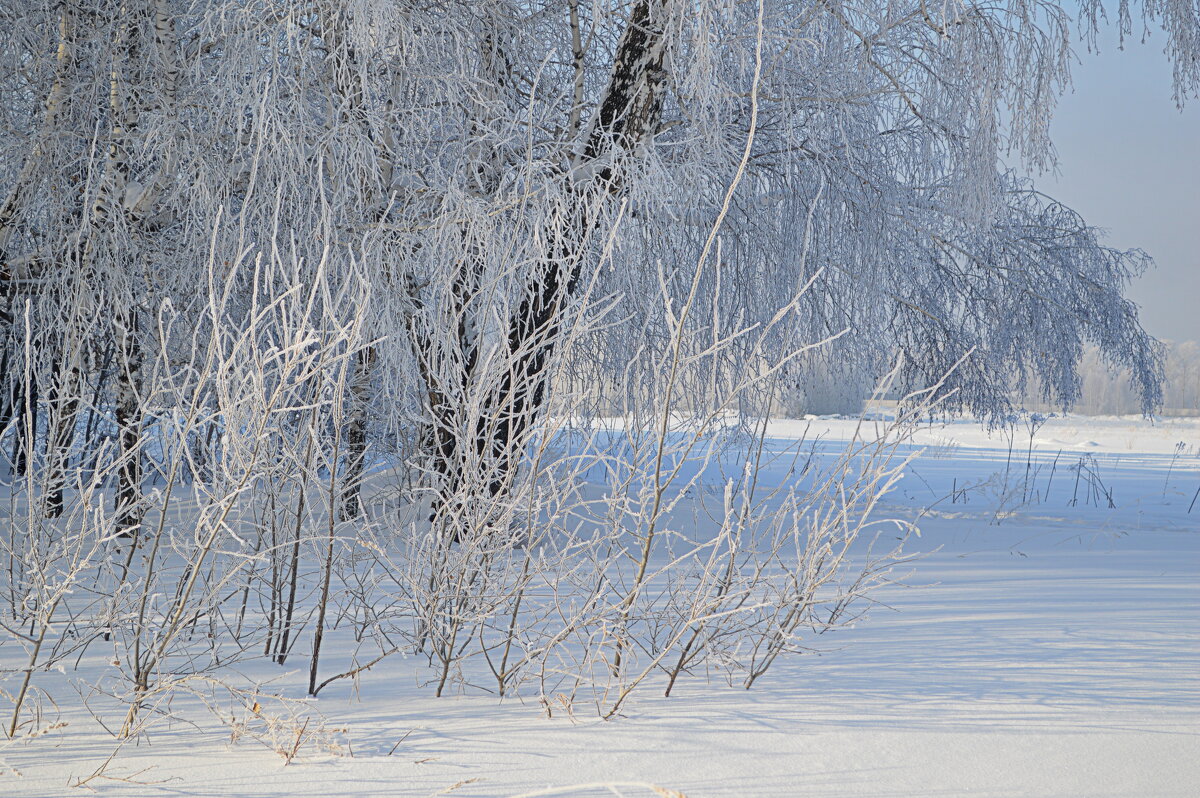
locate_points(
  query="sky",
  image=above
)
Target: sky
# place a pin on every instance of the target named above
(1129, 161)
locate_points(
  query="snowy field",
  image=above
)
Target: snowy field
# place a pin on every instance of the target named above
(1046, 643)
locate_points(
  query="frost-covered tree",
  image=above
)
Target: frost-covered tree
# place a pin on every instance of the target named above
(544, 260)
(493, 163)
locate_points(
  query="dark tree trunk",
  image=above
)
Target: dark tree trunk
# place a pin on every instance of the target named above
(127, 502)
(60, 437)
(447, 391)
(7, 389)
(512, 409)
(356, 434)
(626, 119)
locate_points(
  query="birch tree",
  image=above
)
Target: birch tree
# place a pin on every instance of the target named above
(492, 163)
(543, 261)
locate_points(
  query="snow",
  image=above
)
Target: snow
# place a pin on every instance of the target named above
(1046, 644)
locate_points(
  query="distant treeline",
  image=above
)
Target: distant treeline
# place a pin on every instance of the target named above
(827, 388)
(1108, 392)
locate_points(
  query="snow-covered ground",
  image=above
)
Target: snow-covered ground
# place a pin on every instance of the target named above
(1047, 643)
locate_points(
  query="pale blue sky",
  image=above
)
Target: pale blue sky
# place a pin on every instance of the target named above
(1130, 163)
